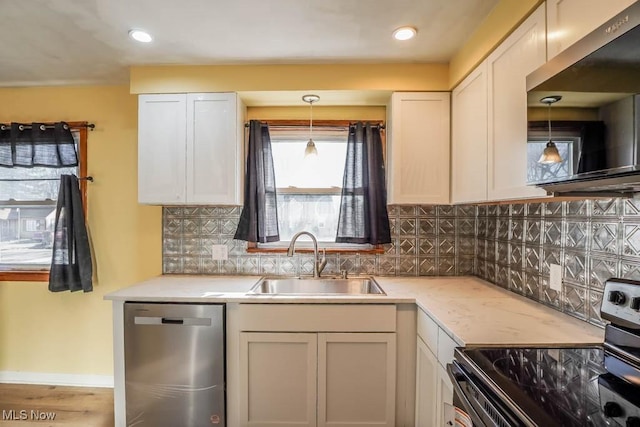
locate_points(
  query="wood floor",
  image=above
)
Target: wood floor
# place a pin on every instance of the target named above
(35, 405)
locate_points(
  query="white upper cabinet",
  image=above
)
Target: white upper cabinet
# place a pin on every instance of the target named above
(507, 68)
(214, 149)
(418, 148)
(190, 149)
(570, 20)
(162, 138)
(469, 138)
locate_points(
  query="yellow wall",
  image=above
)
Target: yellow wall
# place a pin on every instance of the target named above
(503, 19)
(67, 332)
(222, 78)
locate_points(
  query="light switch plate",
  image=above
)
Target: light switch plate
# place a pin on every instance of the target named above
(555, 281)
(219, 252)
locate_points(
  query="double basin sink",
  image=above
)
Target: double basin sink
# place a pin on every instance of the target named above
(316, 286)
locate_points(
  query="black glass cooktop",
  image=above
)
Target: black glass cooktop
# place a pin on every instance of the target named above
(553, 386)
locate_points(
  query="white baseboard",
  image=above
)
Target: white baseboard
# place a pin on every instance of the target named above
(76, 380)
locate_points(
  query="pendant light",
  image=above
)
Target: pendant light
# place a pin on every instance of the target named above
(550, 153)
(311, 149)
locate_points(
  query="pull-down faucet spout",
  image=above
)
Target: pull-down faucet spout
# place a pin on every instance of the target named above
(318, 265)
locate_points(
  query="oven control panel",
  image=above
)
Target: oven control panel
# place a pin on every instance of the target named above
(621, 302)
(618, 401)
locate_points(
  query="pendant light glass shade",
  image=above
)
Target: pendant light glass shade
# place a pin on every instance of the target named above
(311, 149)
(550, 154)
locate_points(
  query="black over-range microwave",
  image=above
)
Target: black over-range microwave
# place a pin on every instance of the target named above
(595, 125)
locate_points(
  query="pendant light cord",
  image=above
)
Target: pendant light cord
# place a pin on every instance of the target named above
(310, 119)
(549, 120)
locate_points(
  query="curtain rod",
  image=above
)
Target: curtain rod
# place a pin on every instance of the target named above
(84, 178)
(319, 125)
(44, 126)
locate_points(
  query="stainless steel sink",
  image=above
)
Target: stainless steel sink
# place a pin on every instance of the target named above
(320, 286)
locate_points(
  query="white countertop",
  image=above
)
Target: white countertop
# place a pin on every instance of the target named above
(473, 311)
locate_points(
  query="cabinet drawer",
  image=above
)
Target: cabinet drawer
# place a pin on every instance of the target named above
(317, 317)
(446, 346)
(428, 331)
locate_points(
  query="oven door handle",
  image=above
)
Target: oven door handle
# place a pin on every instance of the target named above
(457, 376)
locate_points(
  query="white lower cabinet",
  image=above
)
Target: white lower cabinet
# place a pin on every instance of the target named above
(356, 379)
(324, 379)
(434, 391)
(444, 399)
(337, 369)
(278, 376)
(426, 386)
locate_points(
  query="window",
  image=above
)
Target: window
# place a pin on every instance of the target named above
(309, 188)
(28, 198)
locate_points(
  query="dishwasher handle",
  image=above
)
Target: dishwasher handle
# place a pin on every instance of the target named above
(181, 321)
(169, 321)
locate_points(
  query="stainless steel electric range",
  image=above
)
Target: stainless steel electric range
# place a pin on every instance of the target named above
(546, 387)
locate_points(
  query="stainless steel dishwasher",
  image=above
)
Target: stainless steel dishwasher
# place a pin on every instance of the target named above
(174, 364)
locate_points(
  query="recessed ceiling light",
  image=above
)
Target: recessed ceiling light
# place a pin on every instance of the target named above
(404, 33)
(140, 36)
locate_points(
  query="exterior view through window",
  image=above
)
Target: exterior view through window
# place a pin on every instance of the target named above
(27, 215)
(308, 188)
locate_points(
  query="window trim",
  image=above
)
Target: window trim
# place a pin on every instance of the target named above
(252, 247)
(43, 275)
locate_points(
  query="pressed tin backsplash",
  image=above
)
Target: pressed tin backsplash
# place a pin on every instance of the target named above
(510, 245)
(426, 241)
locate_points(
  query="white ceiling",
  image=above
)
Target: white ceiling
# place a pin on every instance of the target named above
(45, 42)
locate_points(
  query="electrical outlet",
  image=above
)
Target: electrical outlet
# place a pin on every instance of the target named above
(555, 281)
(219, 252)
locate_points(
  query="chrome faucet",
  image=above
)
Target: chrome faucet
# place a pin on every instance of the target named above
(318, 265)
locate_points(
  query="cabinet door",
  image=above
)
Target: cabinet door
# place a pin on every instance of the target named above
(356, 379)
(162, 125)
(469, 138)
(418, 148)
(570, 20)
(426, 386)
(444, 391)
(214, 150)
(520, 54)
(278, 379)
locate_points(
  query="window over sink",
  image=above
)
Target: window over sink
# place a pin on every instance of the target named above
(309, 186)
